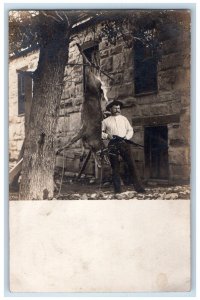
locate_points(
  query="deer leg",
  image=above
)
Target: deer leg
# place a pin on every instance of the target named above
(74, 139)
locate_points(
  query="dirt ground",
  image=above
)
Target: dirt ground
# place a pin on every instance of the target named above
(70, 189)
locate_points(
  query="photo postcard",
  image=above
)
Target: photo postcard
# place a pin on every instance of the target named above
(99, 150)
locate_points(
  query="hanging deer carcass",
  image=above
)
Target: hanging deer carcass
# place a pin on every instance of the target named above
(91, 113)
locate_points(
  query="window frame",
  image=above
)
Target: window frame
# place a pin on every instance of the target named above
(22, 73)
(143, 92)
(88, 46)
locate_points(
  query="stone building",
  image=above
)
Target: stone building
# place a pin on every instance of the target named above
(20, 87)
(155, 93)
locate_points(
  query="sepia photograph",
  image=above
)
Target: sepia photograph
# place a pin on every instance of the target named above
(99, 150)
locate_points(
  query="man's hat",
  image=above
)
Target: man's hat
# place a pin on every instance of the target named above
(114, 102)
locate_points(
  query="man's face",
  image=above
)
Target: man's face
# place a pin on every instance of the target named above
(115, 110)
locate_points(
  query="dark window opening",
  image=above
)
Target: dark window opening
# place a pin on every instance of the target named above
(156, 152)
(145, 64)
(92, 55)
(21, 94)
(25, 87)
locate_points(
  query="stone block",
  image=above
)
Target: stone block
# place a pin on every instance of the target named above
(103, 45)
(72, 165)
(167, 96)
(179, 135)
(162, 109)
(116, 49)
(73, 109)
(63, 124)
(128, 74)
(112, 92)
(179, 155)
(136, 112)
(183, 80)
(187, 60)
(174, 132)
(125, 90)
(170, 46)
(118, 78)
(104, 53)
(128, 56)
(179, 172)
(65, 93)
(175, 107)
(79, 89)
(60, 161)
(185, 116)
(171, 61)
(107, 64)
(185, 100)
(118, 62)
(166, 80)
(75, 121)
(66, 103)
(145, 110)
(77, 101)
(19, 145)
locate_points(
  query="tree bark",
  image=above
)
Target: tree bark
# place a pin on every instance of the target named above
(37, 180)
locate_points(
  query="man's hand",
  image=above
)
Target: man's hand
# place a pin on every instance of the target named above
(110, 137)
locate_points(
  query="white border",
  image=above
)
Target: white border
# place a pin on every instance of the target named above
(3, 149)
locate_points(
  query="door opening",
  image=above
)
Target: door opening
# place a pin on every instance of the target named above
(156, 152)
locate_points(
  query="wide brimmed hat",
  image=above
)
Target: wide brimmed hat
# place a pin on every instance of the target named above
(114, 102)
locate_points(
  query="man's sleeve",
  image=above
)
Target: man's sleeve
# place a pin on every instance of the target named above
(104, 134)
(129, 130)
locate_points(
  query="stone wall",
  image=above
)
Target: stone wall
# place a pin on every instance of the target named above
(169, 106)
(16, 122)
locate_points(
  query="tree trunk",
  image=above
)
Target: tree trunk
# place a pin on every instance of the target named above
(37, 180)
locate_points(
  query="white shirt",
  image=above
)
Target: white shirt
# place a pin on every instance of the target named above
(117, 125)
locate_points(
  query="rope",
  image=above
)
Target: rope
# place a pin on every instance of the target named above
(61, 181)
(101, 176)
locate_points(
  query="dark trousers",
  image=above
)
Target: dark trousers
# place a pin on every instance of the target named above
(124, 149)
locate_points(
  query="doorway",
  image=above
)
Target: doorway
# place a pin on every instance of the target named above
(156, 152)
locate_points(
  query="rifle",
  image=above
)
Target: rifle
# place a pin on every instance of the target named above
(120, 139)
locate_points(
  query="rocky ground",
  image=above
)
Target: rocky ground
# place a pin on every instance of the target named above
(152, 193)
(91, 190)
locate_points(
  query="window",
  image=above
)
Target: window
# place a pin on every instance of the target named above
(92, 54)
(24, 90)
(145, 64)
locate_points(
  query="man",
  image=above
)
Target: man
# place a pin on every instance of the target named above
(117, 129)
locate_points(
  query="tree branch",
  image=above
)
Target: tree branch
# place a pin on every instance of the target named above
(59, 16)
(67, 19)
(50, 16)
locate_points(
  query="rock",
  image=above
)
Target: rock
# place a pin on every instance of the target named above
(106, 184)
(184, 195)
(84, 197)
(75, 196)
(100, 195)
(171, 196)
(92, 181)
(119, 196)
(131, 195)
